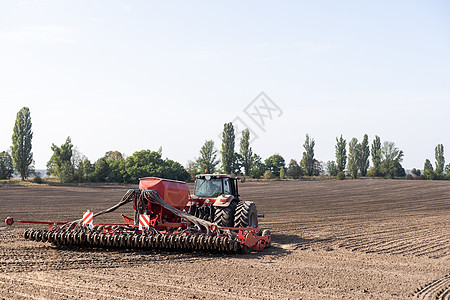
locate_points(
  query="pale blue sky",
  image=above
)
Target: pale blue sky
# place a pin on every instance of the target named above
(133, 75)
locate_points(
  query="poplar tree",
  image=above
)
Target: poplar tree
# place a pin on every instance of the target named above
(246, 152)
(341, 153)
(228, 156)
(364, 156)
(21, 139)
(440, 160)
(308, 156)
(354, 150)
(376, 154)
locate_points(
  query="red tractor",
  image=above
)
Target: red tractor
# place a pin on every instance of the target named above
(216, 199)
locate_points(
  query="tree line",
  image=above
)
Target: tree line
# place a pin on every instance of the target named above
(352, 159)
(69, 165)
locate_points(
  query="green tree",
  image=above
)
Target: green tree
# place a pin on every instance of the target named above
(207, 161)
(447, 172)
(193, 169)
(115, 167)
(60, 164)
(258, 167)
(428, 171)
(101, 170)
(228, 155)
(146, 163)
(332, 168)
(354, 153)
(282, 173)
(6, 165)
(391, 158)
(67, 172)
(87, 169)
(21, 139)
(268, 175)
(440, 160)
(427, 165)
(341, 153)
(174, 170)
(236, 164)
(294, 170)
(245, 152)
(400, 171)
(318, 167)
(340, 175)
(308, 156)
(114, 155)
(415, 172)
(376, 155)
(274, 163)
(364, 155)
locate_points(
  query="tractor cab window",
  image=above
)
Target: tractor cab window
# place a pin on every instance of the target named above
(210, 188)
(226, 186)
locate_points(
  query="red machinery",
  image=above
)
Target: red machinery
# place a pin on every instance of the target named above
(165, 218)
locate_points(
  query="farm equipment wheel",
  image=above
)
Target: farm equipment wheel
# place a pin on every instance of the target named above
(245, 249)
(246, 215)
(224, 216)
(266, 232)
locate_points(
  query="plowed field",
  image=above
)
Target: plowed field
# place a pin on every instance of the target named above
(352, 239)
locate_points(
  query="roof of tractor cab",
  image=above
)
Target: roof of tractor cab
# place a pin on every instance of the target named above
(213, 175)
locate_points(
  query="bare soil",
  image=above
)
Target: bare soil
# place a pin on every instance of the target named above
(352, 239)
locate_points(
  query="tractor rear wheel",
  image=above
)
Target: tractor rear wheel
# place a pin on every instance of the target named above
(246, 215)
(224, 216)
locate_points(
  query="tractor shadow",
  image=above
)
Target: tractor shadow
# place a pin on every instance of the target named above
(282, 245)
(286, 244)
(289, 239)
(292, 242)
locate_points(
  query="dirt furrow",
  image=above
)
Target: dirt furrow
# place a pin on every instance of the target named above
(406, 245)
(434, 245)
(47, 284)
(434, 289)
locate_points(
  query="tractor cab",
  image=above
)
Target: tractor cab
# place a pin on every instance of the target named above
(216, 199)
(214, 185)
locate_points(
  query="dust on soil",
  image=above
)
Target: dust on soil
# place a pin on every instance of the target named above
(352, 239)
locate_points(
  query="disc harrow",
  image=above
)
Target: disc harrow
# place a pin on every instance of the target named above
(158, 241)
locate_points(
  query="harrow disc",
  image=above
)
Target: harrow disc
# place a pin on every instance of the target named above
(102, 238)
(51, 236)
(38, 236)
(122, 241)
(45, 236)
(33, 235)
(108, 240)
(135, 242)
(116, 241)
